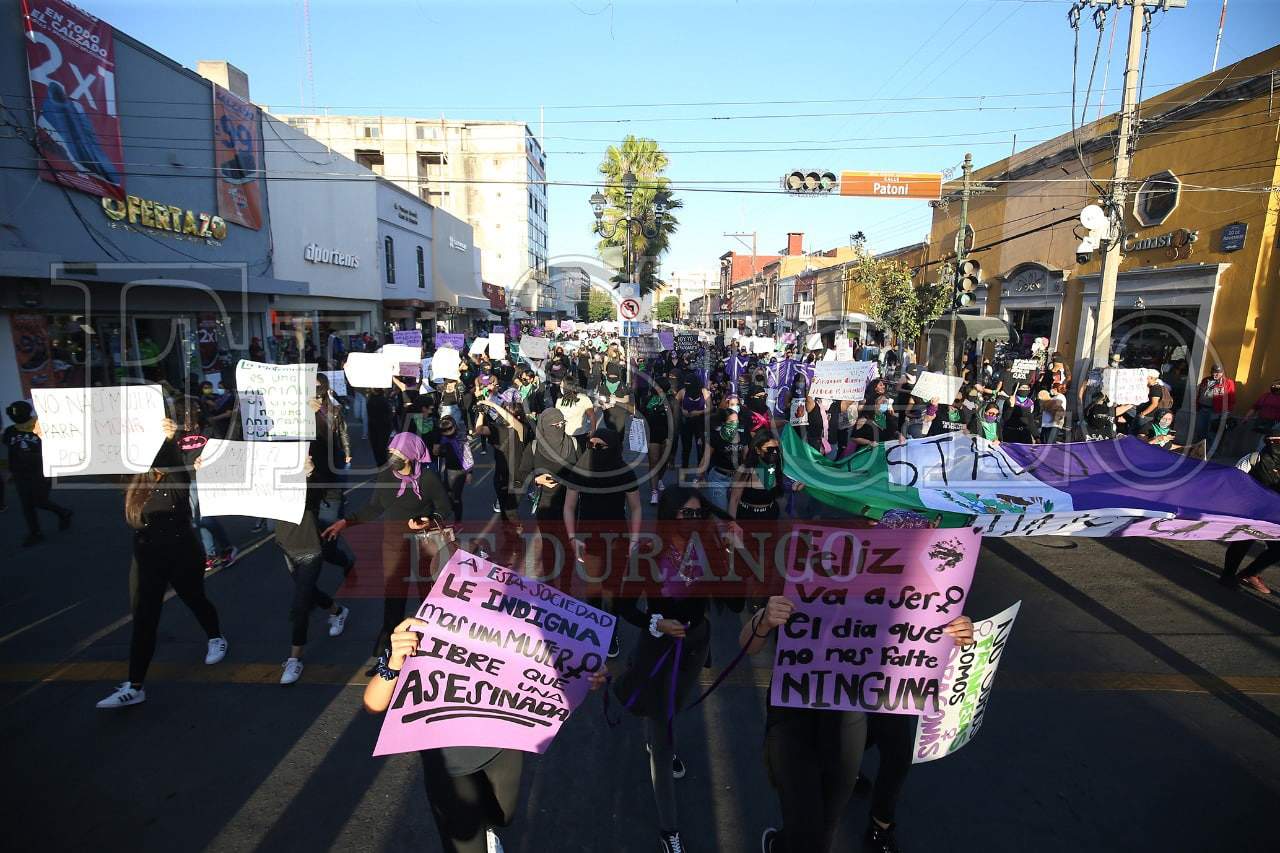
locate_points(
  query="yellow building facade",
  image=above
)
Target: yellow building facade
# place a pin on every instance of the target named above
(1198, 277)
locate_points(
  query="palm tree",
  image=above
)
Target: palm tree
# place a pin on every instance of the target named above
(650, 236)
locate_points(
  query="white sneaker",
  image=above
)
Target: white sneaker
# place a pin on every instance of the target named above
(493, 844)
(217, 650)
(653, 497)
(292, 671)
(125, 694)
(338, 622)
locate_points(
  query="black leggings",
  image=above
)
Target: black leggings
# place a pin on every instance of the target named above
(177, 562)
(454, 482)
(895, 736)
(1237, 551)
(33, 494)
(812, 757)
(692, 437)
(307, 596)
(464, 806)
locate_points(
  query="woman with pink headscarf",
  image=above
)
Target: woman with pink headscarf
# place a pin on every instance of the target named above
(406, 490)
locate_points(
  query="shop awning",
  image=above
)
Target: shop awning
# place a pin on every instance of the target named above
(977, 328)
(479, 303)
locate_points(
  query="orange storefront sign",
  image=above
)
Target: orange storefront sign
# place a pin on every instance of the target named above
(891, 184)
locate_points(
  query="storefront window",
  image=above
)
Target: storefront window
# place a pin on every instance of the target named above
(1032, 323)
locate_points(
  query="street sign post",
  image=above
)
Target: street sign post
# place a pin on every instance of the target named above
(891, 184)
(628, 309)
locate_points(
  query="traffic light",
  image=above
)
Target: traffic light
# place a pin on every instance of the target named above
(968, 277)
(810, 182)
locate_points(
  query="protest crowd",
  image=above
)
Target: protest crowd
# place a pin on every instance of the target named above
(570, 435)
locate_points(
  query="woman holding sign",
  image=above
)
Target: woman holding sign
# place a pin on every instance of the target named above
(166, 552)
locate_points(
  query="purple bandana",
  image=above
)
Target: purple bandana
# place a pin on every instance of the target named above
(411, 447)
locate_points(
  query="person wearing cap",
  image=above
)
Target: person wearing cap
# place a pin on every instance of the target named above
(1215, 398)
(26, 464)
(1264, 467)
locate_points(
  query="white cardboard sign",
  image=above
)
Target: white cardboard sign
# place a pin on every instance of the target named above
(368, 370)
(937, 386)
(1125, 386)
(534, 349)
(444, 364)
(273, 400)
(840, 380)
(497, 346)
(111, 430)
(253, 478)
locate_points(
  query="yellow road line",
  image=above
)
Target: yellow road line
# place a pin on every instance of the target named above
(341, 675)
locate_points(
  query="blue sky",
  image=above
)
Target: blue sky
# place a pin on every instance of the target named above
(903, 84)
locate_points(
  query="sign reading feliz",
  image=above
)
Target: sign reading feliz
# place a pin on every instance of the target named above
(871, 605)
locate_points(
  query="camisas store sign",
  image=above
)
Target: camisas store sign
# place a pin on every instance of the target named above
(165, 217)
(318, 254)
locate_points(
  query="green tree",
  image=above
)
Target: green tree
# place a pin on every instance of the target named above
(651, 237)
(667, 310)
(600, 307)
(896, 302)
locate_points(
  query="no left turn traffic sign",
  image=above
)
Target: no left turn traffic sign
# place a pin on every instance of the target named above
(629, 309)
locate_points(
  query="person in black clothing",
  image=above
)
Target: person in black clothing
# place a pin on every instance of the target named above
(1099, 418)
(659, 420)
(1015, 428)
(26, 464)
(166, 552)
(305, 553)
(758, 481)
(675, 635)
(876, 424)
(380, 414)
(1264, 467)
(949, 418)
(453, 453)
(509, 434)
(405, 490)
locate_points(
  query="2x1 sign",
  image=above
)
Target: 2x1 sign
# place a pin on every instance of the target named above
(891, 184)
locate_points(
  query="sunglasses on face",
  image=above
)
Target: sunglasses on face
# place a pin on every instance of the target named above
(691, 513)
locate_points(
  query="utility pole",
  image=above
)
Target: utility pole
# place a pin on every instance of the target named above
(1114, 204)
(1222, 21)
(967, 189)
(751, 296)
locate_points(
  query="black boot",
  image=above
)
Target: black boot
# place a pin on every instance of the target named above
(880, 839)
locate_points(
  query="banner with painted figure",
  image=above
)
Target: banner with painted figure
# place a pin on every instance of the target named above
(110, 430)
(274, 400)
(871, 605)
(238, 161)
(71, 69)
(1122, 487)
(503, 662)
(966, 689)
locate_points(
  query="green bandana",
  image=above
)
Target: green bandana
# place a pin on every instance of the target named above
(728, 431)
(768, 475)
(880, 419)
(988, 431)
(1159, 430)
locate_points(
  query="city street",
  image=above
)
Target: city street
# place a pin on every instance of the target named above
(1138, 708)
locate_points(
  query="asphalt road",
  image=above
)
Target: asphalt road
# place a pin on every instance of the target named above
(1137, 708)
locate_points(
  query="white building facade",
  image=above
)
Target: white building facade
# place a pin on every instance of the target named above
(490, 174)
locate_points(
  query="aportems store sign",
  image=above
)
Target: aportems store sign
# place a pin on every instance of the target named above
(317, 254)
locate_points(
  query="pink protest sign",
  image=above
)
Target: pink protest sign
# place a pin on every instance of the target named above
(409, 368)
(866, 634)
(503, 662)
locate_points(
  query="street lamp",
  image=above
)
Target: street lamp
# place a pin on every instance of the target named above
(651, 227)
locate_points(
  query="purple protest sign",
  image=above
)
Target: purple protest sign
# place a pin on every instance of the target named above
(667, 340)
(866, 634)
(503, 662)
(454, 340)
(408, 337)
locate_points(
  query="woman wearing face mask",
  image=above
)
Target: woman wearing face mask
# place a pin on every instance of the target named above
(455, 401)
(406, 489)
(758, 482)
(381, 415)
(166, 553)
(757, 411)
(509, 433)
(554, 454)
(724, 455)
(672, 613)
(948, 418)
(615, 400)
(876, 424)
(694, 401)
(986, 423)
(1099, 418)
(1016, 428)
(659, 416)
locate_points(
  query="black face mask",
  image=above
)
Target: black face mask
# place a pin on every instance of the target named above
(770, 456)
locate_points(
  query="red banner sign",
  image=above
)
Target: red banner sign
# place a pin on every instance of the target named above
(237, 158)
(71, 68)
